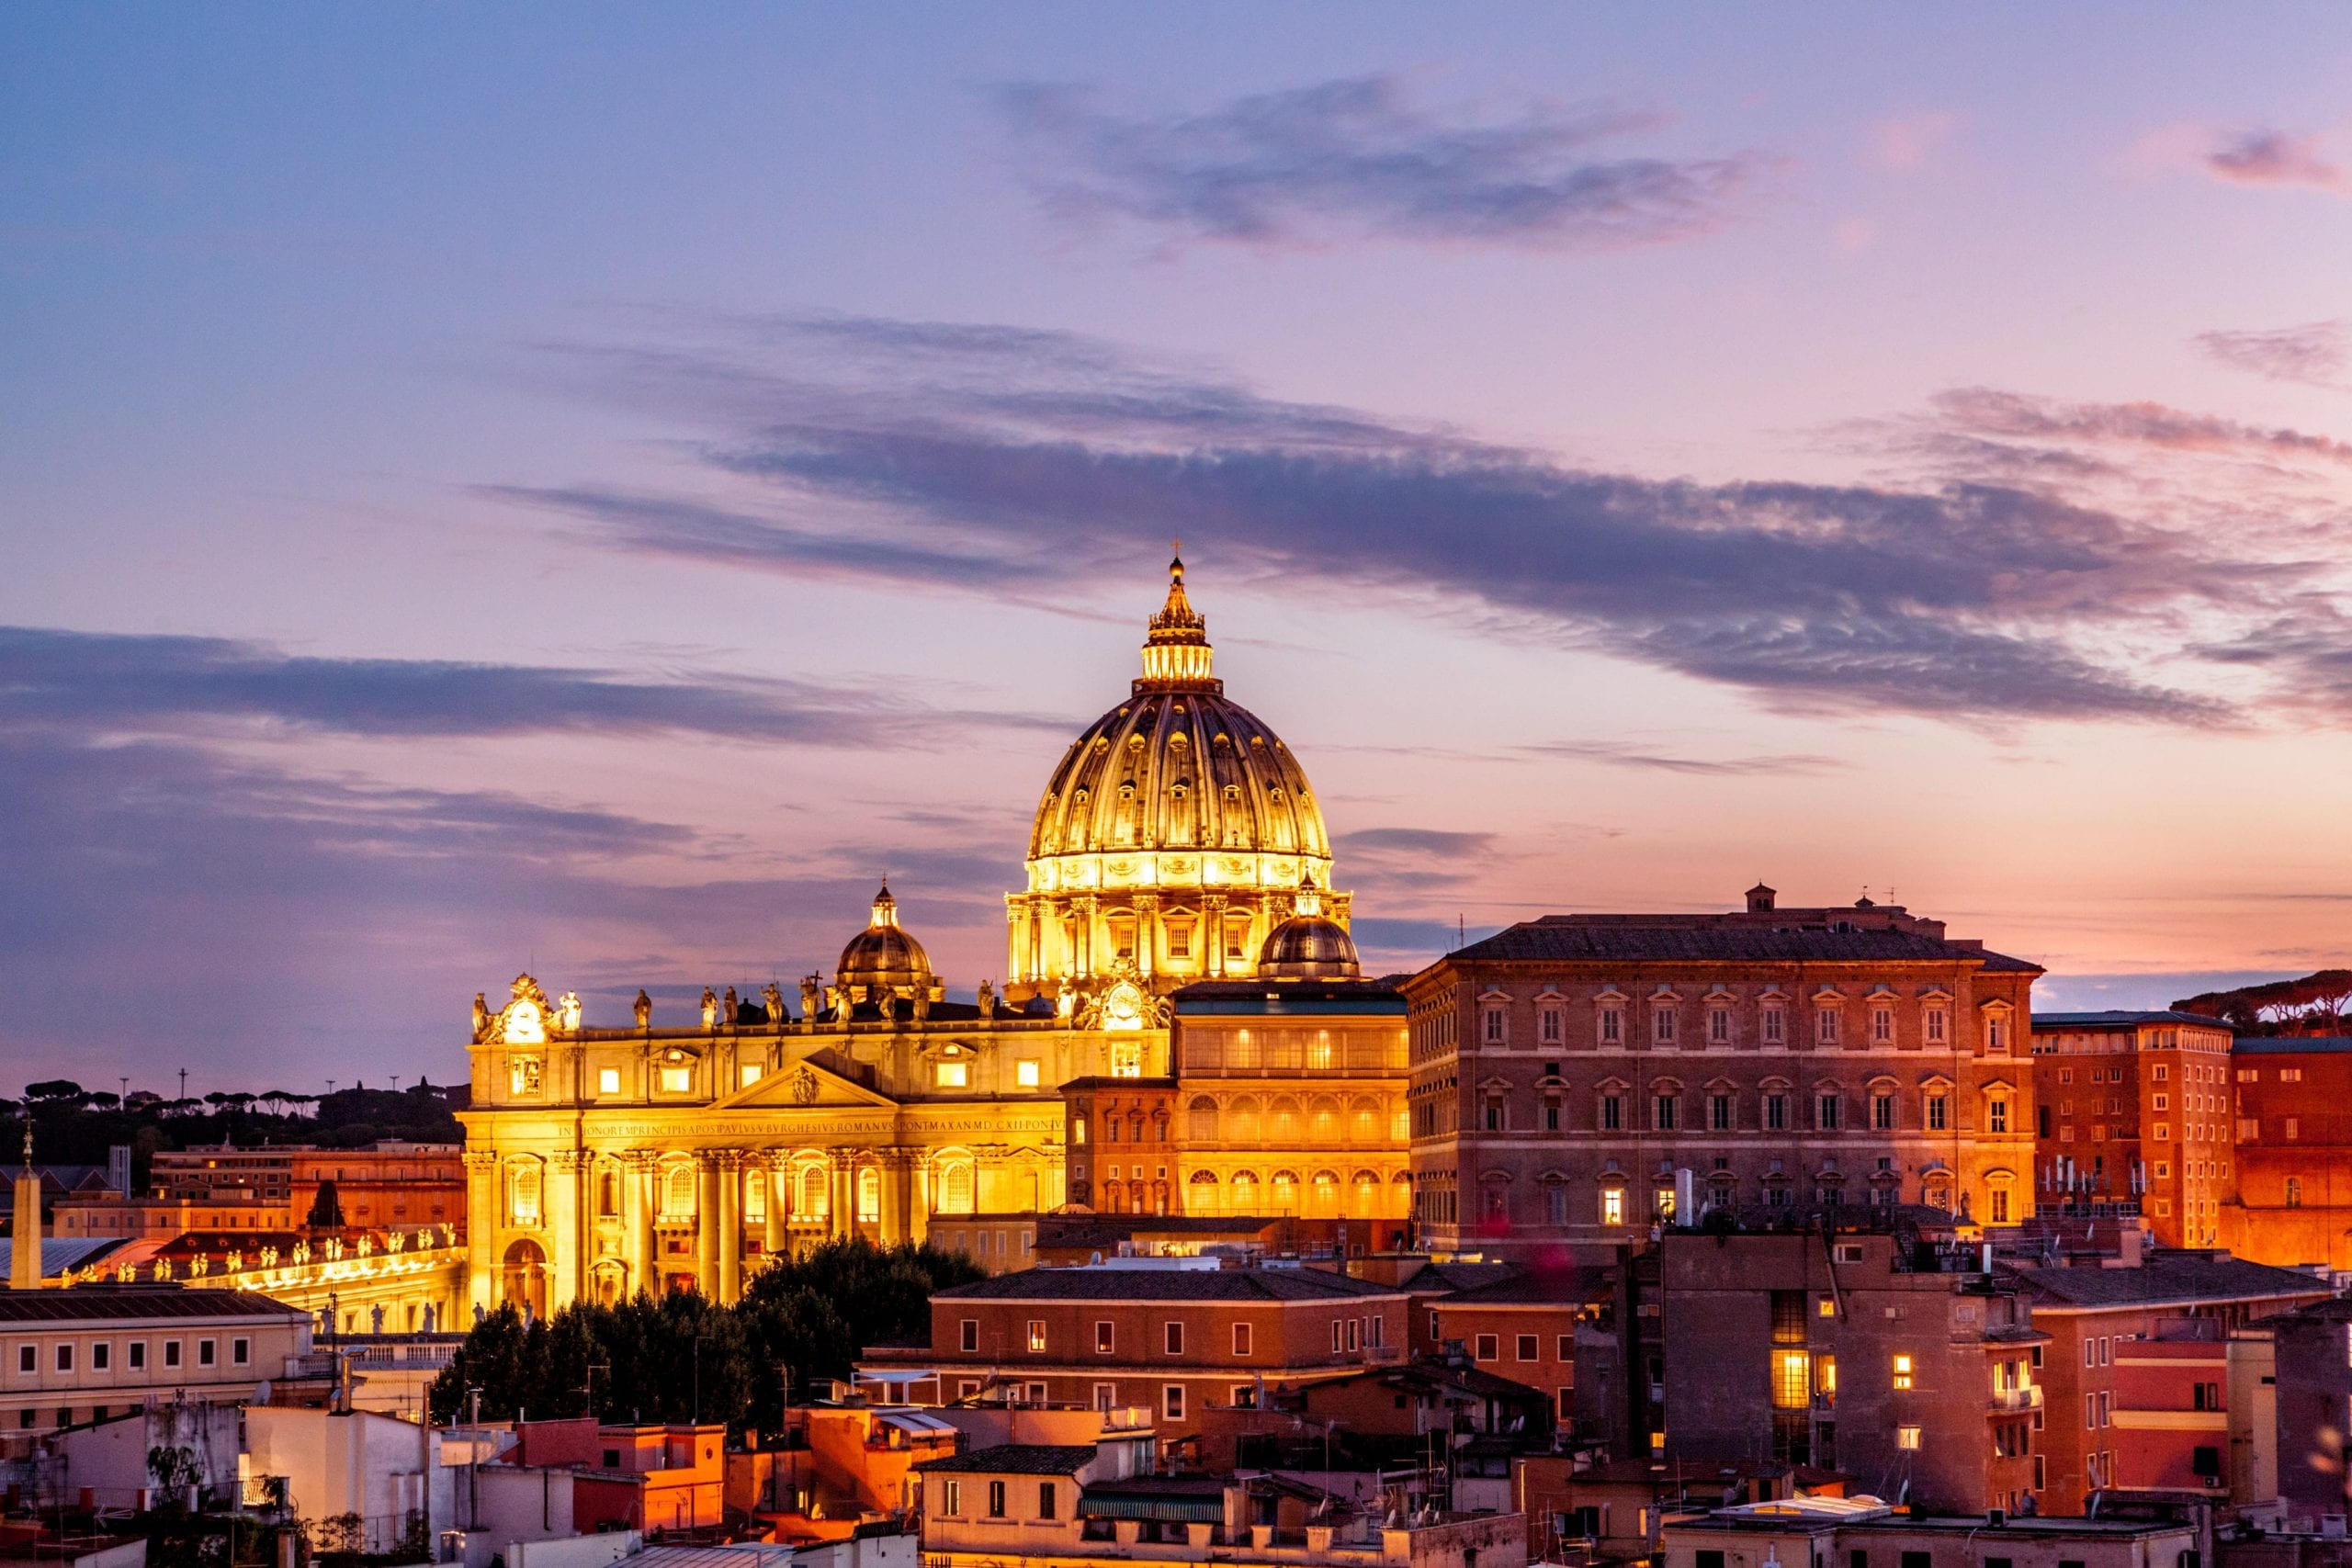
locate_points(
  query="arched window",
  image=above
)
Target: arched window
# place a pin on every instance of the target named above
(523, 1193)
(956, 1195)
(608, 1192)
(1323, 1119)
(755, 1195)
(1245, 1191)
(1203, 1122)
(1367, 1195)
(678, 1192)
(1286, 1192)
(1201, 1195)
(1245, 1120)
(1325, 1194)
(1364, 1120)
(1286, 1127)
(816, 1192)
(869, 1196)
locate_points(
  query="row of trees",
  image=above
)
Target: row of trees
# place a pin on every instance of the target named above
(76, 1126)
(682, 1357)
(2322, 1000)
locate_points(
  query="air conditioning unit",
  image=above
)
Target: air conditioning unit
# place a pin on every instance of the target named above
(1995, 1517)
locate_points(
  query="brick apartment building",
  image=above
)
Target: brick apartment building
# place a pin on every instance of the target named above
(384, 1185)
(2132, 1390)
(1175, 1340)
(1891, 1355)
(2293, 1199)
(1564, 1069)
(2134, 1115)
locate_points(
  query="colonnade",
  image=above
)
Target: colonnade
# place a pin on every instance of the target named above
(543, 1230)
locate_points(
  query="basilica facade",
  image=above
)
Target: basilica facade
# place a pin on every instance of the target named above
(1177, 847)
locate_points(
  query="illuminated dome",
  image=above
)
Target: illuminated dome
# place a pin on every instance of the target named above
(883, 955)
(1311, 945)
(1173, 832)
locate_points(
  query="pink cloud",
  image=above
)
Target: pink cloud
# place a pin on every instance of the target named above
(2275, 158)
(1905, 140)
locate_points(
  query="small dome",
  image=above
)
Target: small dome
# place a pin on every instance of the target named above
(1311, 945)
(883, 955)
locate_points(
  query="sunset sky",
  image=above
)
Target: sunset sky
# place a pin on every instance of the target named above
(592, 490)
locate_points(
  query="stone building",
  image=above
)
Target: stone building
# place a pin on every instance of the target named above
(2291, 1202)
(1566, 1072)
(2134, 1117)
(1177, 839)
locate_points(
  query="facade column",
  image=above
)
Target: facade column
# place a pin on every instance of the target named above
(1084, 908)
(776, 1174)
(730, 1225)
(635, 1226)
(1213, 931)
(707, 1225)
(918, 1187)
(1147, 932)
(563, 1227)
(894, 1196)
(1017, 937)
(1037, 913)
(482, 1211)
(845, 1190)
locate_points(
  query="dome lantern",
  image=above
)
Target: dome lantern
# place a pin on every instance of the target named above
(1176, 652)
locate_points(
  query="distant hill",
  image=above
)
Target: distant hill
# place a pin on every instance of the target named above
(2281, 1007)
(74, 1125)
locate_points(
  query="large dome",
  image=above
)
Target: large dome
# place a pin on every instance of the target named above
(884, 954)
(1178, 766)
(1172, 836)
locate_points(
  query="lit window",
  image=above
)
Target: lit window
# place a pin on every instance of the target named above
(1906, 1437)
(749, 1073)
(951, 1074)
(677, 1080)
(1027, 1073)
(1902, 1372)
(1036, 1336)
(1612, 1205)
(523, 1074)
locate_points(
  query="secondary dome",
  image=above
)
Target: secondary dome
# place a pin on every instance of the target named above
(883, 954)
(1311, 945)
(1178, 765)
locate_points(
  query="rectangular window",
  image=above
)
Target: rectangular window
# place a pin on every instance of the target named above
(1775, 1025)
(207, 1352)
(1568, 1349)
(971, 1335)
(1938, 1113)
(952, 1493)
(996, 1499)
(677, 1080)
(1047, 1501)
(1882, 1113)
(1171, 1401)
(1493, 1026)
(951, 1074)
(138, 1348)
(1828, 1110)
(1527, 1344)
(65, 1356)
(1934, 1028)
(1241, 1338)
(1718, 1114)
(1173, 1337)
(241, 1351)
(1612, 1114)
(1776, 1112)
(1102, 1336)
(1902, 1372)
(1612, 1205)
(1106, 1395)
(1882, 1026)
(1662, 1025)
(1719, 1026)
(101, 1357)
(1996, 1116)
(1612, 1025)
(1551, 1033)
(1824, 1022)
(1664, 1111)
(608, 1080)
(1489, 1347)
(1027, 1074)
(1036, 1336)
(1555, 1204)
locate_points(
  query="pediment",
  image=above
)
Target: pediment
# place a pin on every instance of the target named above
(804, 1085)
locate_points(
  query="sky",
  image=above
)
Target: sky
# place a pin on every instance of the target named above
(593, 490)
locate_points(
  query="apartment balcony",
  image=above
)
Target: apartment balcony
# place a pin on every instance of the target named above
(2009, 1401)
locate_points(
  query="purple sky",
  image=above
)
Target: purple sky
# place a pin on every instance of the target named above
(484, 489)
